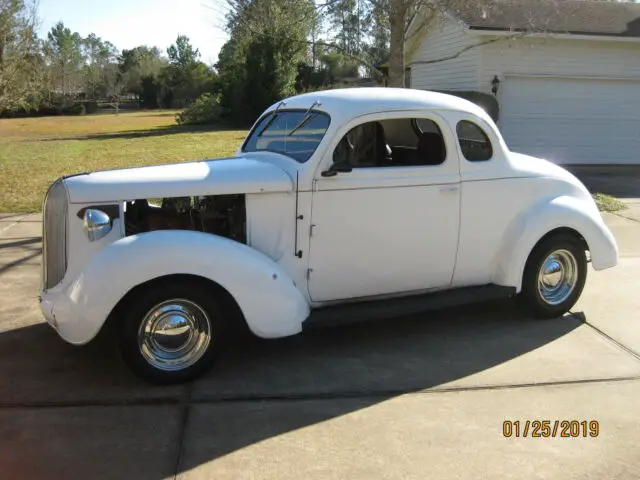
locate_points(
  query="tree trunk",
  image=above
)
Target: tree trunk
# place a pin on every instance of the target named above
(396, 47)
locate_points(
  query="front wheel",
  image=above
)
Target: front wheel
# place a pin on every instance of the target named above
(554, 276)
(170, 333)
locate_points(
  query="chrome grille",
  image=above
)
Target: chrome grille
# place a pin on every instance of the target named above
(54, 235)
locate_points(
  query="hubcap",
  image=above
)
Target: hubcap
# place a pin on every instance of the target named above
(557, 277)
(174, 334)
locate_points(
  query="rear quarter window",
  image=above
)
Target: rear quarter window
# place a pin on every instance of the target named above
(474, 142)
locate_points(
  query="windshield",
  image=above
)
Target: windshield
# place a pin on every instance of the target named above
(292, 133)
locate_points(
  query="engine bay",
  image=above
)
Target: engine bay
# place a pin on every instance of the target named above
(223, 215)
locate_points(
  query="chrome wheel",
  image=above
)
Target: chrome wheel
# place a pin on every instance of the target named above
(557, 277)
(174, 334)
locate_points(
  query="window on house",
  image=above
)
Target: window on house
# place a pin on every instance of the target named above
(474, 143)
(392, 143)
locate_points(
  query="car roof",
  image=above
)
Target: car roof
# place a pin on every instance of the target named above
(352, 102)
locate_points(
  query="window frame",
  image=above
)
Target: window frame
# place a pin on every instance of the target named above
(486, 135)
(285, 110)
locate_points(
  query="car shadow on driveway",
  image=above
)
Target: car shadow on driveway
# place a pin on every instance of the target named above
(38, 369)
(262, 389)
(351, 368)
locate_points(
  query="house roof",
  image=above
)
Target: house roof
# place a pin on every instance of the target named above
(583, 17)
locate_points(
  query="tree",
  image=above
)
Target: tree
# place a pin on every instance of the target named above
(259, 65)
(378, 31)
(140, 70)
(64, 50)
(100, 58)
(182, 54)
(347, 17)
(21, 72)
(316, 31)
(402, 15)
(186, 76)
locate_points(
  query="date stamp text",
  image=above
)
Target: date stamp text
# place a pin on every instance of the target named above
(550, 428)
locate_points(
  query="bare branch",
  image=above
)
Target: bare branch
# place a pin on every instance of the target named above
(467, 48)
(426, 20)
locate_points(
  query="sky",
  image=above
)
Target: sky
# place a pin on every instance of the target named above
(129, 23)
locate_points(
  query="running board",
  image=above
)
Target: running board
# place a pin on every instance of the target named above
(398, 307)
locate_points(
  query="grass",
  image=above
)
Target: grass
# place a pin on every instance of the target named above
(607, 203)
(36, 151)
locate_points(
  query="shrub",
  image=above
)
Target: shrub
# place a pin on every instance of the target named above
(607, 203)
(90, 106)
(76, 108)
(55, 105)
(206, 109)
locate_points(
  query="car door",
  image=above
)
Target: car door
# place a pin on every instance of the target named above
(388, 225)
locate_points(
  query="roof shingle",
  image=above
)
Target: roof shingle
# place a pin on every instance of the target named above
(584, 17)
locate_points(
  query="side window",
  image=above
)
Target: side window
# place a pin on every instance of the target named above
(403, 142)
(362, 146)
(474, 143)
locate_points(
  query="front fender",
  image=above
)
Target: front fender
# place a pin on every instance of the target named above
(526, 230)
(271, 303)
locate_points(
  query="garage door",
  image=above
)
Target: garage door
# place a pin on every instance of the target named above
(572, 120)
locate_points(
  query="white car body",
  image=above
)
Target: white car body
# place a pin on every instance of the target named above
(314, 241)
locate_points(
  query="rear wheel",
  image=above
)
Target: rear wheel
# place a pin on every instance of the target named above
(554, 276)
(171, 332)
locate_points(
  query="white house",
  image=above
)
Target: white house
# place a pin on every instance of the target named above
(568, 72)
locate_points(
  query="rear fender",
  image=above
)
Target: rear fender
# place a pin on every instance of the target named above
(526, 230)
(270, 302)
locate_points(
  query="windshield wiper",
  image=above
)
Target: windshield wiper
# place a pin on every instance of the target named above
(305, 119)
(271, 119)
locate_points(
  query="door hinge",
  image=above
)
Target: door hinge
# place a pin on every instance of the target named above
(311, 227)
(309, 270)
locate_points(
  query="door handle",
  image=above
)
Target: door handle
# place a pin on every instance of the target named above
(449, 188)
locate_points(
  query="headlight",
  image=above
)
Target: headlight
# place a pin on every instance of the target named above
(97, 224)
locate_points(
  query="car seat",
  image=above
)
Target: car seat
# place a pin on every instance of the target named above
(431, 149)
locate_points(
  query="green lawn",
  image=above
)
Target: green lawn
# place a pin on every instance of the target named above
(36, 151)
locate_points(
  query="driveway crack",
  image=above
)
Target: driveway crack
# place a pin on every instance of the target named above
(13, 223)
(188, 401)
(625, 217)
(608, 337)
(184, 424)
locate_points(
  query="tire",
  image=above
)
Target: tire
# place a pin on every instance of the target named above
(552, 295)
(156, 356)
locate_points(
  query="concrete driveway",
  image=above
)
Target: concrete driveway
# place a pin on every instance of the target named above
(415, 398)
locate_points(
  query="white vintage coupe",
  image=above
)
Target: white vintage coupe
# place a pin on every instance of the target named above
(339, 205)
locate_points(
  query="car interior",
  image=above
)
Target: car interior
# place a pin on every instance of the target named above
(392, 143)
